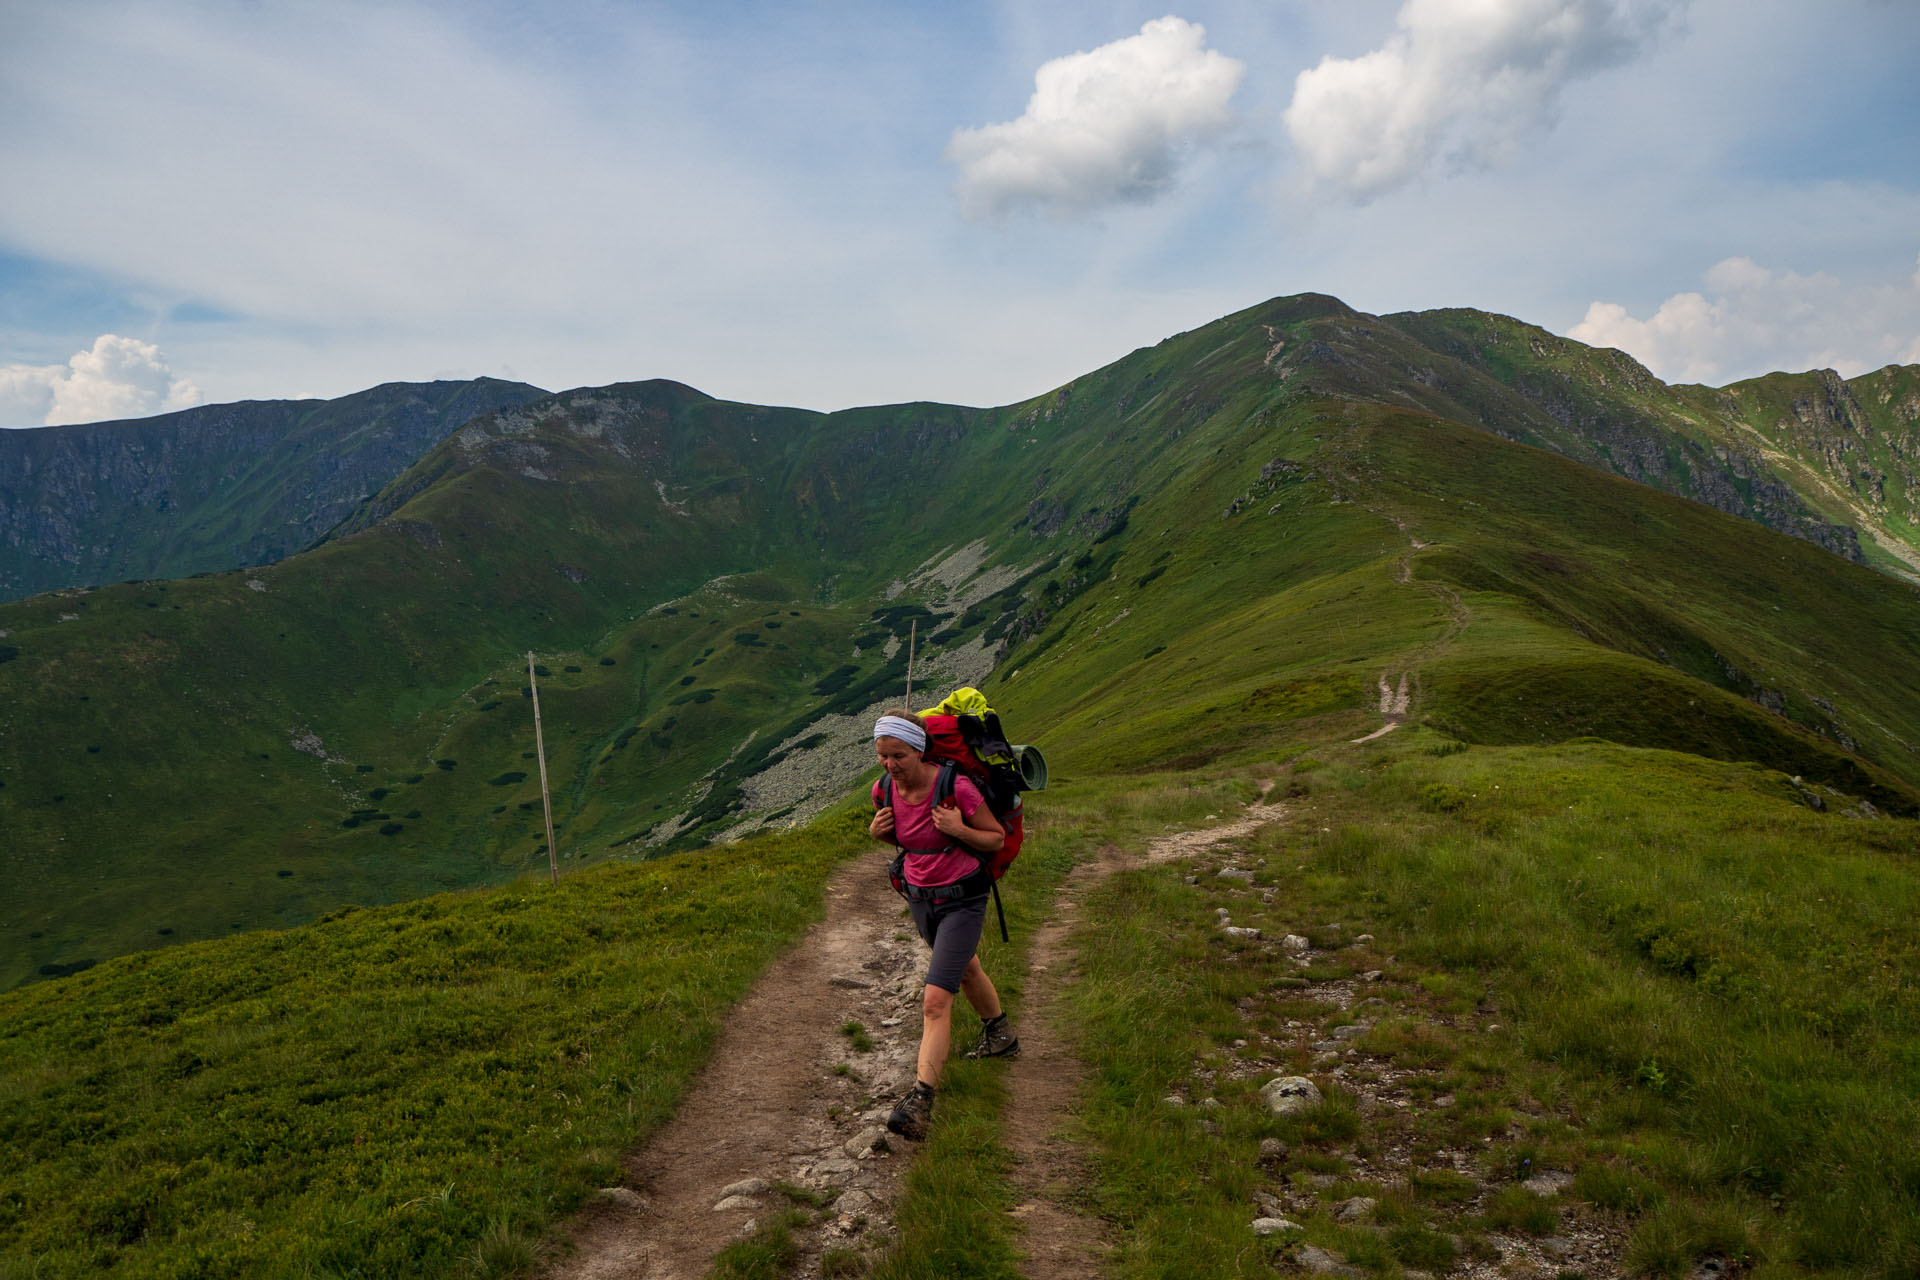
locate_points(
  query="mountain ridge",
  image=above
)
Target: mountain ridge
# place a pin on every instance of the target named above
(211, 488)
(708, 583)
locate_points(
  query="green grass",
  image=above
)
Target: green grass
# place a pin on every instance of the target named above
(1591, 838)
(401, 1091)
(1708, 996)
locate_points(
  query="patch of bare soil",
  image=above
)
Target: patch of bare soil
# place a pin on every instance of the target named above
(787, 1099)
(1181, 844)
(1043, 1093)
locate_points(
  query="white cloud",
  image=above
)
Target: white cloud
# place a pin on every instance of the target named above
(1459, 82)
(1757, 321)
(115, 378)
(1102, 128)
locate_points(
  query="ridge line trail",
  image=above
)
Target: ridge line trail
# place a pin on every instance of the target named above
(1396, 704)
(773, 1103)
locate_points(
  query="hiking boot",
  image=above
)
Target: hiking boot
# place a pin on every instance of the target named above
(913, 1113)
(996, 1040)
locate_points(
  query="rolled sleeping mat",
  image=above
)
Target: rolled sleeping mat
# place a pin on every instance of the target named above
(1032, 766)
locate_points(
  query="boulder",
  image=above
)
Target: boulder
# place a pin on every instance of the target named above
(1288, 1094)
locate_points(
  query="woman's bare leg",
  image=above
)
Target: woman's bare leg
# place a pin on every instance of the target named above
(980, 991)
(936, 1031)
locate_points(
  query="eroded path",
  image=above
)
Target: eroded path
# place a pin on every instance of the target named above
(787, 1114)
(1044, 1086)
(1396, 701)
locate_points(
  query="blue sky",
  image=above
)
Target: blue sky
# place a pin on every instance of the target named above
(838, 204)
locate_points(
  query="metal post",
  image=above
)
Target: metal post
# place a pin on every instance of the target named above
(540, 747)
(913, 634)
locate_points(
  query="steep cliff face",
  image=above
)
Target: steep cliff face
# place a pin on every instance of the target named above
(212, 488)
(1851, 445)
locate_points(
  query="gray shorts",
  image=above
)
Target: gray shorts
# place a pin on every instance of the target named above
(952, 929)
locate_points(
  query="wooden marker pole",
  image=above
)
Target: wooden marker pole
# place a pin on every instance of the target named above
(913, 635)
(540, 748)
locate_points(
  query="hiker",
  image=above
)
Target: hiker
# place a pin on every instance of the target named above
(944, 849)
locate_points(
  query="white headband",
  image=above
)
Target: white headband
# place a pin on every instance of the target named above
(902, 728)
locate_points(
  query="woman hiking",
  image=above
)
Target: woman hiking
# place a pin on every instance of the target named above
(945, 846)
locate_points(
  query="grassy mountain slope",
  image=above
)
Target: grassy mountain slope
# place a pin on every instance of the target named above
(1799, 453)
(184, 760)
(212, 488)
(1206, 571)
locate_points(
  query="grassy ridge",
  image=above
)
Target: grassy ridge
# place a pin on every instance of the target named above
(149, 769)
(380, 1093)
(1709, 996)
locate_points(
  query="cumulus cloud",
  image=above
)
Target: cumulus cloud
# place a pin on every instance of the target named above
(1752, 320)
(1102, 128)
(1458, 83)
(115, 378)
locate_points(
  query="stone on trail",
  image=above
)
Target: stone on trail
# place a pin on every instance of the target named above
(850, 982)
(1174, 1100)
(1234, 932)
(866, 1142)
(1351, 1030)
(1287, 1094)
(1321, 1263)
(623, 1197)
(745, 1187)
(1355, 1209)
(1548, 1182)
(1235, 873)
(833, 1167)
(1274, 1149)
(732, 1203)
(1273, 1226)
(1295, 943)
(854, 1202)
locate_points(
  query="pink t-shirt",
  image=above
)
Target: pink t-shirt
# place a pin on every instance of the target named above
(913, 830)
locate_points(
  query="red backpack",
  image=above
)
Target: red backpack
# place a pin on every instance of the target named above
(975, 746)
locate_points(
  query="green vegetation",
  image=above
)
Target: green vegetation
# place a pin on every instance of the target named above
(1662, 975)
(409, 1090)
(1638, 857)
(216, 487)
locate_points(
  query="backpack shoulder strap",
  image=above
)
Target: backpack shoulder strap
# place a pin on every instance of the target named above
(943, 783)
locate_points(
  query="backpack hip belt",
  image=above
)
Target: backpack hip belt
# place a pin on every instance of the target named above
(977, 885)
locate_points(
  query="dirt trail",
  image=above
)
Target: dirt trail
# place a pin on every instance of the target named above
(1044, 1090)
(765, 1107)
(1396, 704)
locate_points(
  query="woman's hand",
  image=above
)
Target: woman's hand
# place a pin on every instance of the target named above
(881, 828)
(981, 832)
(949, 819)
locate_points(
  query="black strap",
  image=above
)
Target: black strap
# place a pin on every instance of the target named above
(943, 787)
